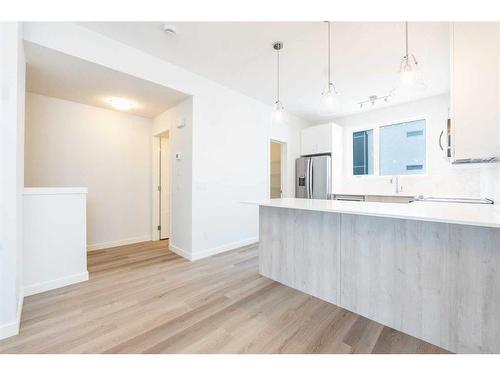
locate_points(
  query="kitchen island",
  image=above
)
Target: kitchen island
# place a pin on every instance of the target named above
(431, 270)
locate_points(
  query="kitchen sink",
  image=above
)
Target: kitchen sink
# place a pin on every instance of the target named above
(374, 198)
(407, 199)
(389, 198)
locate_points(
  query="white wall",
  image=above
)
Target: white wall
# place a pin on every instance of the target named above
(180, 140)
(55, 243)
(441, 178)
(223, 174)
(12, 83)
(70, 144)
(231, 165)
(289, 133)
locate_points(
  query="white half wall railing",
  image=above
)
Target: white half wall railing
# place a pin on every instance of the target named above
(55, 238)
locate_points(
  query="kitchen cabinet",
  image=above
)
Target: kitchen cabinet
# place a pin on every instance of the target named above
(475, 90)
(430, 270)
(324, 139)
(286, 256)
(316, 139)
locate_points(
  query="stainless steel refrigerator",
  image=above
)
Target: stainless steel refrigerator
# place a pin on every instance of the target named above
(313, 177)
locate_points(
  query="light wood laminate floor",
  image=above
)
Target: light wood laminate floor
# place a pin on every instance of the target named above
(143, 298)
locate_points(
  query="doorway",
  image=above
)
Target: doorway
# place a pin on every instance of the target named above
(276, 169)
(164, 186)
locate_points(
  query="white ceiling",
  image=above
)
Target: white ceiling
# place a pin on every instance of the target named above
(66, 77)
(239, 55)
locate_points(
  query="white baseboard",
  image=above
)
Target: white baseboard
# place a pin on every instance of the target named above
(179, 251)
(215, 250)
(127, 241)
(221, 249)
(12, 329)
(54, 284)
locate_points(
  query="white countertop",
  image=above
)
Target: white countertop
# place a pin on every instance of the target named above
(54, 190)
(484, 215)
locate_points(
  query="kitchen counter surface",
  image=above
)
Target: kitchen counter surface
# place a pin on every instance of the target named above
(54, 190)
(482, 215)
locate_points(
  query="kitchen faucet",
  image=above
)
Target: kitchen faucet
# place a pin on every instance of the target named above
(395, 180)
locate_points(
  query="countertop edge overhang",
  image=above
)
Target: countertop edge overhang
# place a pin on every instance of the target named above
(439, 212)
(54, 190)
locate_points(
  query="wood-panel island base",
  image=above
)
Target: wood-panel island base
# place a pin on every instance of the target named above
(436, 281)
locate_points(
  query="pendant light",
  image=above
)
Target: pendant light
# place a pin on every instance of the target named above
(278, 106)
(329, 96)
(408, 68)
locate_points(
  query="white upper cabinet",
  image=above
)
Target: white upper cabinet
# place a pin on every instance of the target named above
(316, 140)
(322, 139)
(475, 90)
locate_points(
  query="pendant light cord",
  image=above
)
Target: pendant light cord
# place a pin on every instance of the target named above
(278, 79)
(329, 58)
(406, 37)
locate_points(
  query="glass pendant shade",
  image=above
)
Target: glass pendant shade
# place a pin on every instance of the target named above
(408, 71)
(278, 112)
(410, 78)
(329, 101)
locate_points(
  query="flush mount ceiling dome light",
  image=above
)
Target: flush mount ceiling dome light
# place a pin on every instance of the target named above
(169, 29)
(121, 104)
(278, 106)
(329, 96)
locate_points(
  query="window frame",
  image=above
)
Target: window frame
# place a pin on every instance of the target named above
(376, 147)
(352, 149)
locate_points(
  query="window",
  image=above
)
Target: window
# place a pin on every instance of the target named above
(402, 148)
(362, 152)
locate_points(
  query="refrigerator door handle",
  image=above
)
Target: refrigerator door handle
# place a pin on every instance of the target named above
(311, 179)
(308, 177)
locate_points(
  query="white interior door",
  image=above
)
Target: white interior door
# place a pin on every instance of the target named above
(164, 187)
